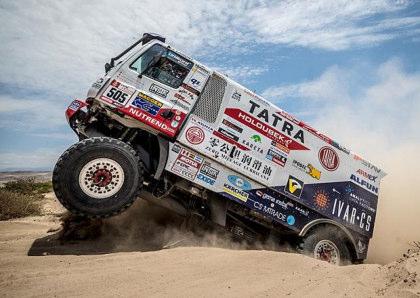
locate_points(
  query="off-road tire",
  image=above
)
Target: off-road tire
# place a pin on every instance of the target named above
(326, 235)
(67, 173)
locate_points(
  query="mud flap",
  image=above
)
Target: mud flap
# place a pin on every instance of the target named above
(218, 209)
(163, 156)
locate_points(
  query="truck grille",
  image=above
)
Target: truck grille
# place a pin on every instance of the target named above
(210, 100)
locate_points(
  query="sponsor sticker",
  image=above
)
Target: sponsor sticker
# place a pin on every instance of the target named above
(270, 211)
(361, 246)
(179, 104)
(184, 92)
(239, 182)
(195, 82)
(328, 158)
(157, 122)
(301, 210)
(206, 179)
(236, 95)
(339, 147)
(365, 184)
(158, 90)
(237, 187)
(194, 135)
(181, 101)
(232, 126)
(274, 201)
(204, 125)
(208, 174)
(367, 175)
(321, 199)
(313, 172)
(187, 164)
(367, 164)
(354, 197)
(75, 105)
(276, 157)
(294, 186)
(198, 78)
(99, 83)
(117, 93)
(234, 155)
(147, 104)
(308, 169)
(228, 134)
(280, 147)
(235, 192)
(190, 89)
(209, 171)
(179, 60)
(265, 129)
(176, 148)
(274, 120)
(351, 215)
(184, 169)
(253, 145)
(256, 138)
(290, 220)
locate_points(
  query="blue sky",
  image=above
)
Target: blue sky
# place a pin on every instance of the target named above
(349, 68)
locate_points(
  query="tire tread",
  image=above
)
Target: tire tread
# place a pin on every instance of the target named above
(77, 147)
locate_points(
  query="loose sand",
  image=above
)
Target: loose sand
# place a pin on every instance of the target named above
(34, 263)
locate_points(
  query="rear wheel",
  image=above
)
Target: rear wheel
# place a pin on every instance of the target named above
(327, 244)
(98, 177)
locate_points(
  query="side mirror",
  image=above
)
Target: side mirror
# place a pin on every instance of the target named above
(108, 67)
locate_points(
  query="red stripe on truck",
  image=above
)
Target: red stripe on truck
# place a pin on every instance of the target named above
(264, 129)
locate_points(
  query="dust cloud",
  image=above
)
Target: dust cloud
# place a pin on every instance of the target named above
(146, 227)
(398, 214)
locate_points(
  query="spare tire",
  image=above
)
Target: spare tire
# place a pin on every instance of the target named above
(327, 244)
(98, 177)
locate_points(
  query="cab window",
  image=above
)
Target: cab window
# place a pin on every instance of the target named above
(162, 65)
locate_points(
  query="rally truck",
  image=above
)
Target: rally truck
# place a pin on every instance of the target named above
(161, 126)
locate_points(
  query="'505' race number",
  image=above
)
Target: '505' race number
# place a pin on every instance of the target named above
(117, 93)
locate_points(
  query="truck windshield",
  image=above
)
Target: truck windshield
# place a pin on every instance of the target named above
(162, 65)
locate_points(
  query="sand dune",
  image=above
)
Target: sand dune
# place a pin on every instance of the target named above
(111, 267)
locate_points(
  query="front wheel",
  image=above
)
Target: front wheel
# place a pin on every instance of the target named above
(327, 244)
(98, 177)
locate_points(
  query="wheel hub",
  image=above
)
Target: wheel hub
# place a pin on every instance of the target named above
(326, 250)
(101, 178)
